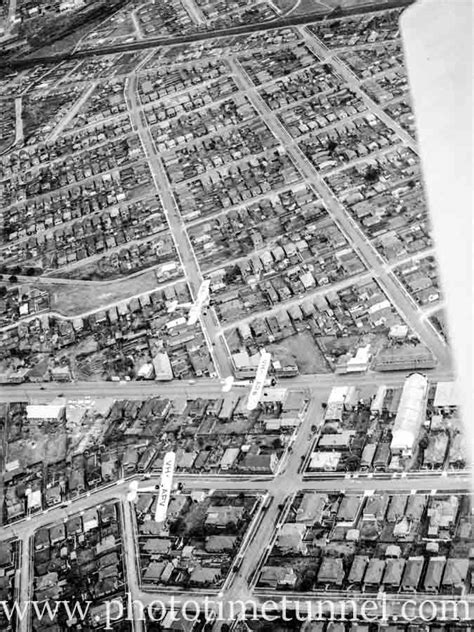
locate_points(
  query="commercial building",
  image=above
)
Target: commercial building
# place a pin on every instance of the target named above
(44, 413)
(162, 366)
(410, 415)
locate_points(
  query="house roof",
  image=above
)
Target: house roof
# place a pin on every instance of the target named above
(376, 505)
(396, 508)
(331, 571)
(434, 572)
(154, 571)
(223, 515)
(215, 543)
(324, 460)
(203, 575)
(415, 506)
(342, 439)
(374, 572)
(272, 574)
(446, 394)
(412, 572)
(359, 564)
(393, 572)
(311, 507)
(157, 545)
(349, 508)
(455, 571)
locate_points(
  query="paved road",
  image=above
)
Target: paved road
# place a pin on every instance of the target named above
(321, 51)
(103, 306)
(398, 296)
(18, 120)
(287, 483)
(65, 120)
(386, 606)
(194, 12)
(201, 387)
(178, 230)
(319, 291)
(136, 24)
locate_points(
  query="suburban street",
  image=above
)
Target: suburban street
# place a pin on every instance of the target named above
(283, 486)
(373, 261)
(278, 491)
(344, 71)
(183, 246)
(221, 127)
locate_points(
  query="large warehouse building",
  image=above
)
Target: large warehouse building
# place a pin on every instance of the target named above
(410, 415)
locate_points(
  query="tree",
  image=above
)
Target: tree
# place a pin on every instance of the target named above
(372, 174)
(13, 279)
(424, 442)
(352, 463)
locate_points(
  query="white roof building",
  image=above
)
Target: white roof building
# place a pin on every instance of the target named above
(338, 395)
(377, 403)
(410, 414)
(162, 366)
(44, 412)
(446, 395)
(360, 362)
(325, 461)
(34, 500)
(345, 396)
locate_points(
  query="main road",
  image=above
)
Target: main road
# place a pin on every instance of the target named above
(71, 392)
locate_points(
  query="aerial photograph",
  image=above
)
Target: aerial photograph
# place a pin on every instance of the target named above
(228, 399)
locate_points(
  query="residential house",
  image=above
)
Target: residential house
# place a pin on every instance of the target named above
(374, 573)
(412, 573)
(290, 539)
(455, 575)
(349, 509)
(434, 574)
(357, 572)
(393, 573)
(312, 508)
(331, 571)
(221, 516)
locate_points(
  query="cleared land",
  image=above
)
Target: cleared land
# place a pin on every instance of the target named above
(74, 299)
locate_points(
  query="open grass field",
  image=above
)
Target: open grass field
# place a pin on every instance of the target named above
(300, 7)
(72, 299)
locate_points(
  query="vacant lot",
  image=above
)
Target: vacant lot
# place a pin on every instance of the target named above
(71, 299)
(300, 7)
(303, 350)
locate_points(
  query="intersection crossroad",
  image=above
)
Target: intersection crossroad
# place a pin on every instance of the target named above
(278, 490)
(189, 263)
(373, 261)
